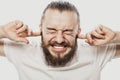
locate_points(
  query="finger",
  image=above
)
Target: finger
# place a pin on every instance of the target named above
(105, 29)
(97, 35)
(89, 38)
(23, 34)
(20, 39)
(99, 30)
(81, 36)
(36, 33)
(90, 43)
(18, 24)
(29, 32)
(22, 29)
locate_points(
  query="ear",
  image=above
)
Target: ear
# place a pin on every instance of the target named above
(81, 36)
(40, 29)
(79, 32)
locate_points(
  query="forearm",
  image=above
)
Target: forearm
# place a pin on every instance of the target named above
(1, 42)
(1, 32)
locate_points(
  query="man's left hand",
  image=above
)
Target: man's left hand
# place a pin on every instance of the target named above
(100, 36)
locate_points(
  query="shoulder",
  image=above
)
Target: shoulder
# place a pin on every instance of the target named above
(82, 45)
(19, 47)
(34, 41)
(84, 49)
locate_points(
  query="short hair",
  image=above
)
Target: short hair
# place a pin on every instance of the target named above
(61, 6)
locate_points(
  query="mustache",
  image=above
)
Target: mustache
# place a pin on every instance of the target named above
(54, 43)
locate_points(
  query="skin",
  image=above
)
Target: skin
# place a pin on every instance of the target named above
(16, 31)
(103, 35)
(100, 36)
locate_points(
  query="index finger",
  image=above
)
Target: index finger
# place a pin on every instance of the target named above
(82, 36)
(18, 24)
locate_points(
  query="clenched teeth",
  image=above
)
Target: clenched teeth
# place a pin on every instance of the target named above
(59, 47)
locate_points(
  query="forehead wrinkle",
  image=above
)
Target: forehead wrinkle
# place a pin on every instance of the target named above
(60, 20)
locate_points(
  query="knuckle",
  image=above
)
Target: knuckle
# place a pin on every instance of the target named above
(25, 26)
(18, 21)
(88, 35)
(93, 32)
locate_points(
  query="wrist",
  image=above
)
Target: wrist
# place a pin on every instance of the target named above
(116, 39)
(1, 32)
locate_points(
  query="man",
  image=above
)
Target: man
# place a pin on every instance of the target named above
(59, 55)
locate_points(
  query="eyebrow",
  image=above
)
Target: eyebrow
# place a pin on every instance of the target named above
(68, 30)
(51, 29)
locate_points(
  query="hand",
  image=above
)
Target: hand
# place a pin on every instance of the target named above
(100, 36)
(17, 31)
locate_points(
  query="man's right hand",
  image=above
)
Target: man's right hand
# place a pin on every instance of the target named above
(17, 31)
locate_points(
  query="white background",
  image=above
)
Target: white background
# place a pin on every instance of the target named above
(92, 13)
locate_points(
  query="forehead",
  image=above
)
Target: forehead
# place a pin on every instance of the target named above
(54, 17)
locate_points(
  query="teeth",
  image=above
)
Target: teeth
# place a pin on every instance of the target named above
(58, 47)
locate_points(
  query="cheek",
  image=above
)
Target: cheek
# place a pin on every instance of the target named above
(47, 38)
(70, 39)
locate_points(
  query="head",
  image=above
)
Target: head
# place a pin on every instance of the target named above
(60, 26)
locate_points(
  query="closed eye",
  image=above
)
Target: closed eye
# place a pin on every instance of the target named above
(51, 30)
(68, 31)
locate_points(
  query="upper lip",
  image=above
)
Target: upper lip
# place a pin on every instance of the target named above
(59, 45)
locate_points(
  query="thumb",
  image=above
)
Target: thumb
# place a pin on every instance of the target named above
(36, 33)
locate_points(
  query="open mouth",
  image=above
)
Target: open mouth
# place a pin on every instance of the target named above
(59, 49)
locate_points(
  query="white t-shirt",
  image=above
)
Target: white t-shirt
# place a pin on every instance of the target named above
(30, 64)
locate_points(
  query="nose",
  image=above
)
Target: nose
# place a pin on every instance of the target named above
(59, 37)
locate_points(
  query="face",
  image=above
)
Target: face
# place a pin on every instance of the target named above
(59, 30)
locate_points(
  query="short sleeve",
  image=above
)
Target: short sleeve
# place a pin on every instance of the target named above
(104, 54)
(14, 51)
